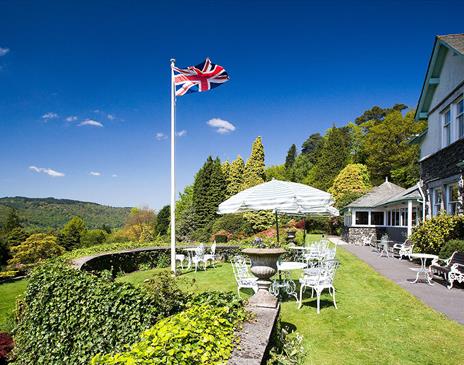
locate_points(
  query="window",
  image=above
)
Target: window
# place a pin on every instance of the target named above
(460, 118)
(395, 217)
(452, 198)
(437, 198)
(377, 218)
(362, 218)
(404, 217)
(447, 128)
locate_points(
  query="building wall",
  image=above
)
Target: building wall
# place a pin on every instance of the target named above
(359, 235)
(452, 75)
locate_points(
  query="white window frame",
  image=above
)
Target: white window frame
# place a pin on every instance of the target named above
(446, 128)
(459, 115)
(450, 202)
(437, 207)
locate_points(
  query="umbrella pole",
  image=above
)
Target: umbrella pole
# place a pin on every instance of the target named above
(277, 226)
(304, 231)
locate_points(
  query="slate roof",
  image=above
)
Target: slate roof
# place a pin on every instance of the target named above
(455, 41)
(376, 196)
(409, 194)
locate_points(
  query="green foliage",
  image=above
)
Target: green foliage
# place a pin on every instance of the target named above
(36, 248)
(8, 274)
(202, 334)
(291, 157)
(209, 191)
(235, 224)
(377, 114)
(68, 316)
(254, 173)
(335, 155)
(261, 220)
(164, 220)
(12, 221)
(451, 246)
(353, 180)
(388, 151)
(312, 147)
(16, 236)
(106, 247)
(93, 237)
(300, 168)
(431, 235)
(70, 235)
(235, 177)
(287, 349)
(276, 172)
(54, 213)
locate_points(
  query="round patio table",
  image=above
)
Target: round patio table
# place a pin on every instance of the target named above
(423, 269)
(285, 281)
(299, 251)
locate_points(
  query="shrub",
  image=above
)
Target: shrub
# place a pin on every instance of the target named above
(8, 274)
(164, 289)
(6, 345)
(451, 246)
(93, 237)
(261, 220)
(37, 247)
(67, 316)
(233, 223)
(202, 334)
(431, 235)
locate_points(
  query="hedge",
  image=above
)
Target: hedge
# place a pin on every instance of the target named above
(67, 316)
(451, 246)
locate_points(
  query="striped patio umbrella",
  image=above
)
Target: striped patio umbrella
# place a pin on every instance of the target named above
(280, 197)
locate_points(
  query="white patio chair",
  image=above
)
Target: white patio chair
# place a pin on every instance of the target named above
(211, 256)
(330, 253)
(181, 259)
(319, 278)
(243, 276)
(403, 249)
(199, 257)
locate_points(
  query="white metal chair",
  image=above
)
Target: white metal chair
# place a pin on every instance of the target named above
(199, 257)
(211, 256)
(318, 278)
(181, 259)
(403, 249)
(243, 277)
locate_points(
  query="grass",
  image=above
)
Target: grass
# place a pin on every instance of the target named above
(8, 294)
(377, 321)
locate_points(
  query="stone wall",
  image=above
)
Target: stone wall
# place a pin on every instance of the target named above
(357, 235)
(443, 163)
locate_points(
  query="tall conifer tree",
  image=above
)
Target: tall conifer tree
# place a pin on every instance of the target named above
(254, 169)
(235, 178)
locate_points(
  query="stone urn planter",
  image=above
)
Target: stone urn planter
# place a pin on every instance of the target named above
(263, 266)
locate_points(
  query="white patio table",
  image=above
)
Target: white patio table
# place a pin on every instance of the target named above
(423, 269)
(299, 251)
(382, 247)
(285, 280)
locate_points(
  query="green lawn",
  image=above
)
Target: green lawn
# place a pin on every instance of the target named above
(8, 294)
(377, 321)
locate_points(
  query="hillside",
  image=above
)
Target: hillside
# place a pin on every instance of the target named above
(51, 212)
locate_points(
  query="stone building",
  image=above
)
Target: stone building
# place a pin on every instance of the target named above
(386, 209)
(442, 144)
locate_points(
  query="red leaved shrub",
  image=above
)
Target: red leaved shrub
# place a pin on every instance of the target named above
(6, 345)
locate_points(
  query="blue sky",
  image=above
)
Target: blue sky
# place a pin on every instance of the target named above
(296, 68)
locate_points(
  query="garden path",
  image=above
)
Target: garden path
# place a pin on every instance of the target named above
(448, 302)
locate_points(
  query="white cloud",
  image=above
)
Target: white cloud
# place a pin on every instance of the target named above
(48, 171)
(110, 116)
(71, 118)
(49, 115)
(4, 51)
(160, 136)
(222, 126)
(114, 175)
(181, 133)
(91, 123)
(95, 173)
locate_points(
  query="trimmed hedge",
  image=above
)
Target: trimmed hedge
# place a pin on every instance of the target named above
(67, 316)
(451, 246)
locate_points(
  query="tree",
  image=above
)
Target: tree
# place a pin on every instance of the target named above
(70, 235)
(335, 155)
(301, 168)
(16, 236)
(276, 172)
(12, 221)
(139, 222)
(37, 247)
(254, 173)
(312, 146)
(291, 157)
(378, 114)
(93, 237)
(352, 182)
(164, 220)
(235, 177)
(388, 151)
(209, 190)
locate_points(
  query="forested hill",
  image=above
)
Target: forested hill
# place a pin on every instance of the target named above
(51, 212)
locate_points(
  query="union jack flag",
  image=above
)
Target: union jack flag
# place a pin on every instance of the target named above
(202, 77)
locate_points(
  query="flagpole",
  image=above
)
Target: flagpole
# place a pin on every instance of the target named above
(173, 172)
